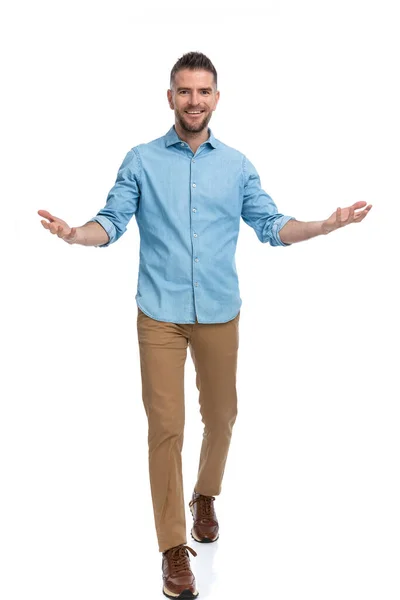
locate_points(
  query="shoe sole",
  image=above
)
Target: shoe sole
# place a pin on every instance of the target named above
(205, 540)
(185, 595)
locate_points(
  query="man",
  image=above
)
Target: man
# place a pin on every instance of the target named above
(188, 191)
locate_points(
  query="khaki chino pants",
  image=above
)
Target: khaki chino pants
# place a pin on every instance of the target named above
(163, 350)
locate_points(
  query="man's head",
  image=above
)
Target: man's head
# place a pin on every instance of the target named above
(193, 88)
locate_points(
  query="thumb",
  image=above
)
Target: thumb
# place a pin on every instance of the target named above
(71, 234)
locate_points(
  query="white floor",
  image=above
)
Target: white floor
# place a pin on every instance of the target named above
(309, 506)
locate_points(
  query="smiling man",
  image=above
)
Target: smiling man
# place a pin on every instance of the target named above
(188, 192)
(193, 97)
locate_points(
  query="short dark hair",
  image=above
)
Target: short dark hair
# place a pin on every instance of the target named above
(194, 61)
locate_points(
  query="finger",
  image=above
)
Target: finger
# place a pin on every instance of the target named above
(45, 224)
(46, 214)
(350, 218)
(360, 216)
(366, 210)
(339, 216)
(359, 204)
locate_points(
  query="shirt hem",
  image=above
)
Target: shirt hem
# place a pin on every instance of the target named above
(186, 322)
(165, 320)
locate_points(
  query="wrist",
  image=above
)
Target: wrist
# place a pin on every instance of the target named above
(79, 237)
(326, 228)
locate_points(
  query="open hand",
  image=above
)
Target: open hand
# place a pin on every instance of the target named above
(345, 216)
(59, 227)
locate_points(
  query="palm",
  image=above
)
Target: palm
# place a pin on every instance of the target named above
(57, 226)
(345, 216)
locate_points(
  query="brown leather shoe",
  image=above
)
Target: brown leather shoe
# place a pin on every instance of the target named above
(205, 526)
(178, 579)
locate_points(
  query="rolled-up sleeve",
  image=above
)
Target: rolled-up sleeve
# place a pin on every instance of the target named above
(122, 200)
(259, 211)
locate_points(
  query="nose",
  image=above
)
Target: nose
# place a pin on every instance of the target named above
(195, 98)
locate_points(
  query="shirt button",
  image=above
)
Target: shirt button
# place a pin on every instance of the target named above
(195, 235)
(182, 144)
(194, 185)
(194, 209)
(193, 160)
(196, 284)
(196, 260)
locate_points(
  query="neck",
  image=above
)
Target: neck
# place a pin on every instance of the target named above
(193, 138)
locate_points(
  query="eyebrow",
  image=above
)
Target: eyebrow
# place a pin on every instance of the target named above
(209, 89)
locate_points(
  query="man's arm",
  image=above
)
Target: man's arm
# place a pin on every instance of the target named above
(90, 234)
(298, 231)
(110, 222)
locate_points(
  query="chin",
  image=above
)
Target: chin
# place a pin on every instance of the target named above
(195, 128)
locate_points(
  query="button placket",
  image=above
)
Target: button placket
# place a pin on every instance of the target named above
(193, 221)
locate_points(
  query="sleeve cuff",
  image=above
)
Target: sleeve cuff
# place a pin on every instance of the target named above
(108, 226)
(279, 223)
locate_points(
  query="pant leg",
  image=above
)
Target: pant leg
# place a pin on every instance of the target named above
(214, 350)
(163, 350)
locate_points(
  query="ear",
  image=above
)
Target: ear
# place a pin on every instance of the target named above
(216, 100)
(170, 100)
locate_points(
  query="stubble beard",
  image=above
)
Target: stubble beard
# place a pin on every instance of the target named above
(195, 127)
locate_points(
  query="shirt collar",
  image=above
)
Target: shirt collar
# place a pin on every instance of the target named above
(171, 138)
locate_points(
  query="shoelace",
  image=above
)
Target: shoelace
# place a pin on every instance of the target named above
(205, 504)
(179, 558)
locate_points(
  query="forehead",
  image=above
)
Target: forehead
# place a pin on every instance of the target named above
(198, 78)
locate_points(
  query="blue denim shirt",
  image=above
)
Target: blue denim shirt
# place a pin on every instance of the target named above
(188, 208)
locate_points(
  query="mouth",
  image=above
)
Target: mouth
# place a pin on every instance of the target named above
(194, 113)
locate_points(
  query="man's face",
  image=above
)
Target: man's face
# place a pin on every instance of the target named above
(193, 98)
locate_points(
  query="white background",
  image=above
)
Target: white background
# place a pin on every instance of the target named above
(309, 506)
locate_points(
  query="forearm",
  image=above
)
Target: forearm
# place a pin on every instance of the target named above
(91, 234)
(298, 231)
